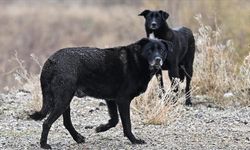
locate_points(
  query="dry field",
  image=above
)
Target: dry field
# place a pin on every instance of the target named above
(219, 119)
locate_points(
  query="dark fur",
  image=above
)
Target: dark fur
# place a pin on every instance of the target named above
(114, 74)
(181, 64)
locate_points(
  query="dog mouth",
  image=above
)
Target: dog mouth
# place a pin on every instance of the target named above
(155, 66)
(153, 27)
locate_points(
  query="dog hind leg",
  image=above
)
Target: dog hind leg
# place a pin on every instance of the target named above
(63, 92)
(68, 125)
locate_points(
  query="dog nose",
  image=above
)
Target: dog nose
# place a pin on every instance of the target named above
(153, 24)
(158, 61)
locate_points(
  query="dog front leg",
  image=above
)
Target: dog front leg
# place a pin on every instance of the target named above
(124, 110)
(160, 80)
(174, 76)
(112, 108)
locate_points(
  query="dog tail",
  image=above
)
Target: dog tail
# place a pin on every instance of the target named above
(39, 115)
(46, 107)
(48, 103)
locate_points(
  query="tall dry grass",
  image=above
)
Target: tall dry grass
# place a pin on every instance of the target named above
(43, 29)
(216, 71)
(155, 107)
(29, 82)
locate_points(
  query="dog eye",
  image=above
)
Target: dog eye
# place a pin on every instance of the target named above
(150, 50)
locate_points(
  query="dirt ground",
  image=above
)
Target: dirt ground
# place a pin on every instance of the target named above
(202, 126)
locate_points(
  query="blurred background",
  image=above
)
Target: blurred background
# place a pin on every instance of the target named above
(39, 28)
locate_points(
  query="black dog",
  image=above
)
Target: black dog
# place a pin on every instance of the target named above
(114, 74)
(183, 45)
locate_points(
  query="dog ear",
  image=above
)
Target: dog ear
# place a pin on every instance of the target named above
(164, 15)
(144, 13)
(140, 44)
(143, 41)
(169, 45)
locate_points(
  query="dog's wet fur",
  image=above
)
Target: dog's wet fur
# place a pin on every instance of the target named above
(114, 74)
(181, 64)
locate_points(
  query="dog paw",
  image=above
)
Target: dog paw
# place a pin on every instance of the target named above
(138, 141)
(46, 146)
(101, 128)
(80, 138)
(188, 103)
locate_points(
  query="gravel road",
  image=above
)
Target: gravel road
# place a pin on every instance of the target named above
(199, 127)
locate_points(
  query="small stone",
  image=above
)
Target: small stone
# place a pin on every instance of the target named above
(228, 95)
(89, 127)
(209, 121)
(245, 122)
(102, 104)
(91, 110)
(94, 109)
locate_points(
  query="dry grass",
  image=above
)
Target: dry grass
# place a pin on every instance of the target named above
(44, 29)
(216, 71)
(241, 88)
(155, 107)
(29, 82)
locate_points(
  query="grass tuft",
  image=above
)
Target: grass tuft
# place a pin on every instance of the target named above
(29, 82)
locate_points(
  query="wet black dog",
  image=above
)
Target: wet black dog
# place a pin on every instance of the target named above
(114, 74)
(183, 41)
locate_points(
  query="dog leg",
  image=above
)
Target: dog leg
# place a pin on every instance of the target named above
(175, 79)
(187, 91)
(63, 96)
(161, 85)
(124, 110)
(68, 125)
(189, 74)
(182, 74)
(112, 108)
(54, 115)
(174, 76)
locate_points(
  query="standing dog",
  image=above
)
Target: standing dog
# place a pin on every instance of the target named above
(114, 74)
(183, 41)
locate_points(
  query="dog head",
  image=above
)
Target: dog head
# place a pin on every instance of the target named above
(154, 19)
(155, 51)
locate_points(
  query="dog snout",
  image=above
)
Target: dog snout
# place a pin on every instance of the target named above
(153, 24)
(158, 61)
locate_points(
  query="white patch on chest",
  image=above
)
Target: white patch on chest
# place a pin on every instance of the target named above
(152, 36)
